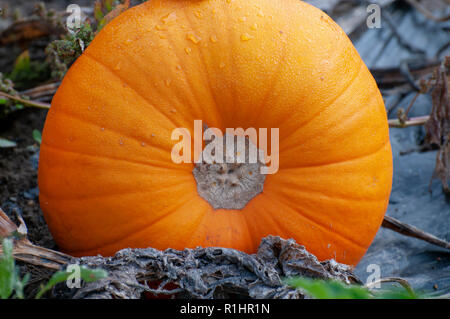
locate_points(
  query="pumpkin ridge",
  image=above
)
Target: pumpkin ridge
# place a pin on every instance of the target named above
(233, 66)
(103, 196)
(115, 131)
(334, 99)
(273, 83)
(179, 167)
(378, 149)
(261, 211)
(219, 118)
(141, 229)
(339, 197)
(189, 83)
(344, 122)
(131, 87)
(318, 224)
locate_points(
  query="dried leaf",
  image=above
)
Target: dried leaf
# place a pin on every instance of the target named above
(205, 273)
(438, 126)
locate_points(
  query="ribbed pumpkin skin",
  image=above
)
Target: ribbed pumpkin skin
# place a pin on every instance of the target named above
(106, 177)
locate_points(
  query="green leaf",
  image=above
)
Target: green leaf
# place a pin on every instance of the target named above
(91, 275)
(330, 289)
(10, 281)
(37, 136)
(27, 73)
(4, 143)
(88, 275)
(22, 64)
(6, 270)
(98, 14)
(58, 277)
(109, 5)
(322, 289)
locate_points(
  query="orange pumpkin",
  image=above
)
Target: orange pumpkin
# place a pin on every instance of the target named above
(106, 177)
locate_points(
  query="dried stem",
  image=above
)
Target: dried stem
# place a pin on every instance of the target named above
(45, 90)
(26, 102)
(413, 121)
(401, 281)
(411, 231)
(25, 251)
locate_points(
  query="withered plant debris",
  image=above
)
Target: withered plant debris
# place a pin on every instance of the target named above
(205, 273)
(42, 23)
(63, 52)
(438, 126)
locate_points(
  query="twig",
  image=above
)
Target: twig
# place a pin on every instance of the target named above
(413, 121)
(401, 281)
(41, 90)
(411, 231)
(40, 105)
(423, 89)
(427, 13)
(387, 78)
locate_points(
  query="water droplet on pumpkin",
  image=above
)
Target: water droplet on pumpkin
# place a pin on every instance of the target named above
(260, 14)
(213, 39)
(102, 129)
(160, 28)
(142, 144)
(178, 67)
(168, 82)
(117, 67)
(153, 135)
(173, 111)
(198, 14)
(169, 18)
(121, 142)
(242, 19)
(254, 26)
(194, 38)
(221, 65)
(246, 37)
(188, 50)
